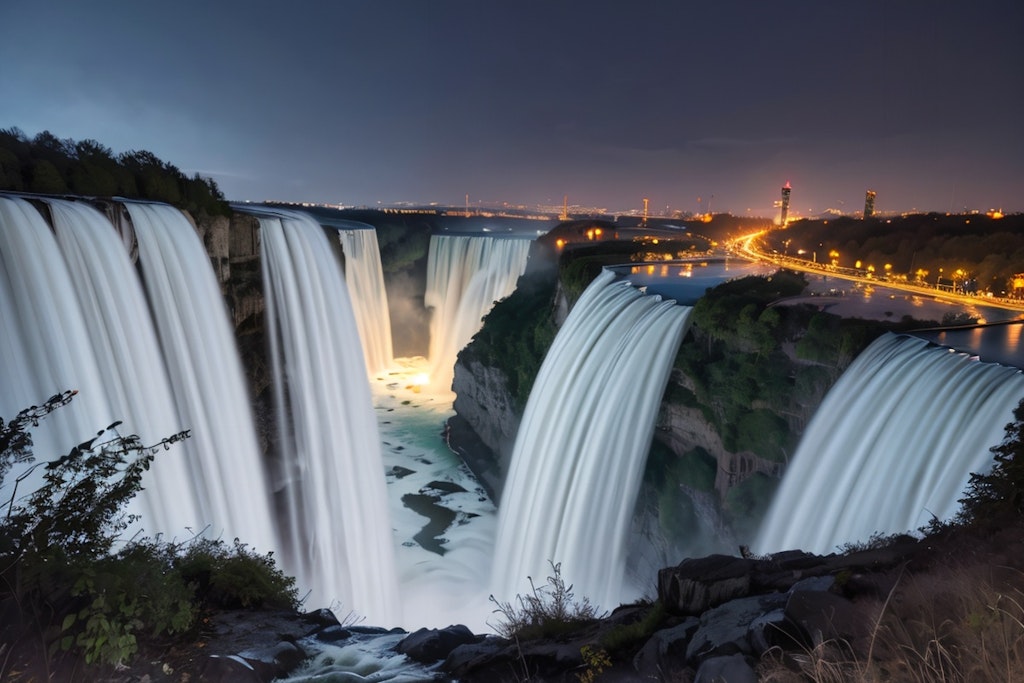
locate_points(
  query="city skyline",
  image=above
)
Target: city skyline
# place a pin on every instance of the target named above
(697, 108)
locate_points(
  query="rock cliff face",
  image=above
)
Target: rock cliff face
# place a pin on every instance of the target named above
(486, 406)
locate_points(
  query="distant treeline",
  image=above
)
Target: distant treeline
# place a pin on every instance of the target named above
(47, 164)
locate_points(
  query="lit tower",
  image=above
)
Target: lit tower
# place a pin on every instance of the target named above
(646, 200)
(786, 189)
(869, 204)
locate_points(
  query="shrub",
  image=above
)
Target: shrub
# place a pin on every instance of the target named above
(76, 594)
(547, 611)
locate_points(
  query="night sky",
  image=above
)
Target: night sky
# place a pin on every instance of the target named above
(525, 102)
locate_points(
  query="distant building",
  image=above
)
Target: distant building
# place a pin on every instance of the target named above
(869, 204)
(786, 189)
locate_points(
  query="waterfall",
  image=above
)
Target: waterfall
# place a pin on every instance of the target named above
(206, 375)
(581, 448)
(893, 443)
(75, 317)
(466, 274)
(330, 477)
(121, 332)
(45, 345)
(364, 277)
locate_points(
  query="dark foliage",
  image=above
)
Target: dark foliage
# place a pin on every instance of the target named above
(996, 498)
(74, 595)
(46, 164)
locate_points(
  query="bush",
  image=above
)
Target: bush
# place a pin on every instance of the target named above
(547, 611)
(74, 593)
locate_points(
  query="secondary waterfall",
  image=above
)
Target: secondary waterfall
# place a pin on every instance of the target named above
(329, 475)
(206, 374)
(466, 274)
(893, 443)
(365, 279)
(582, 445)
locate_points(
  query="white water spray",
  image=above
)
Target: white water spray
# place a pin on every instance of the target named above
(893, 443)
(466, 274)
(330, 476)
(364, 277)
(582, 445)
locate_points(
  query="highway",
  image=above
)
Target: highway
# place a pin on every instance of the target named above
(749, 247)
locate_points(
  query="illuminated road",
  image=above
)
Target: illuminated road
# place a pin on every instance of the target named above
(748, 246)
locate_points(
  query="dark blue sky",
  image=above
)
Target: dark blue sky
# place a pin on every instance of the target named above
(606, 102)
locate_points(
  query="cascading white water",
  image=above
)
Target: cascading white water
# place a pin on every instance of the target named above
(466, 274)
(206, 376)
(330, 477)
(893, 444)
(45, 346)
(128, 359)
(583, 441)
(365, 279)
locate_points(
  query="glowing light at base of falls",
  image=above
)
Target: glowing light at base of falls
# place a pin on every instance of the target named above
(466, 274)
(583, 441)
(893, 444)
(206, 376)
(330, 477)
(364, 276)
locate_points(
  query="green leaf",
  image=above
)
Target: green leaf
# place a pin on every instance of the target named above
(68, 621)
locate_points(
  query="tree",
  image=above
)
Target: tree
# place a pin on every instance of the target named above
(997, 497)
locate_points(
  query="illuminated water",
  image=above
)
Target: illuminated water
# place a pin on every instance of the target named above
(328, 475)
(583, 441)
(892, 445)
(466, 274)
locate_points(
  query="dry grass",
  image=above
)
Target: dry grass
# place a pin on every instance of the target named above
(950, 625)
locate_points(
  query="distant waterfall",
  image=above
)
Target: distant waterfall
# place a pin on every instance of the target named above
(466, 274)
(893, 443)
(206, 374)
(365, 279)
(330, 476)
(582, 445)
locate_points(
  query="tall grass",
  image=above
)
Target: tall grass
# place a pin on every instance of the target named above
(950, 625)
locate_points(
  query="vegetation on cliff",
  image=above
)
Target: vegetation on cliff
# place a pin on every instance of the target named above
(46, 164)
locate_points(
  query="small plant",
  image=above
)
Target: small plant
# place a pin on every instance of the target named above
(624, 636)
(596, 661)
(548, 611)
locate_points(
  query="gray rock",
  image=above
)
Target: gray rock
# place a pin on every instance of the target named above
(696, 585)
(666, 649)
(432, 645)
(820, 617)
(723, 630)
(728, 669)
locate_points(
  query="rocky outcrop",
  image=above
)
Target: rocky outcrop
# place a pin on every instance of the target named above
(485, 404)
